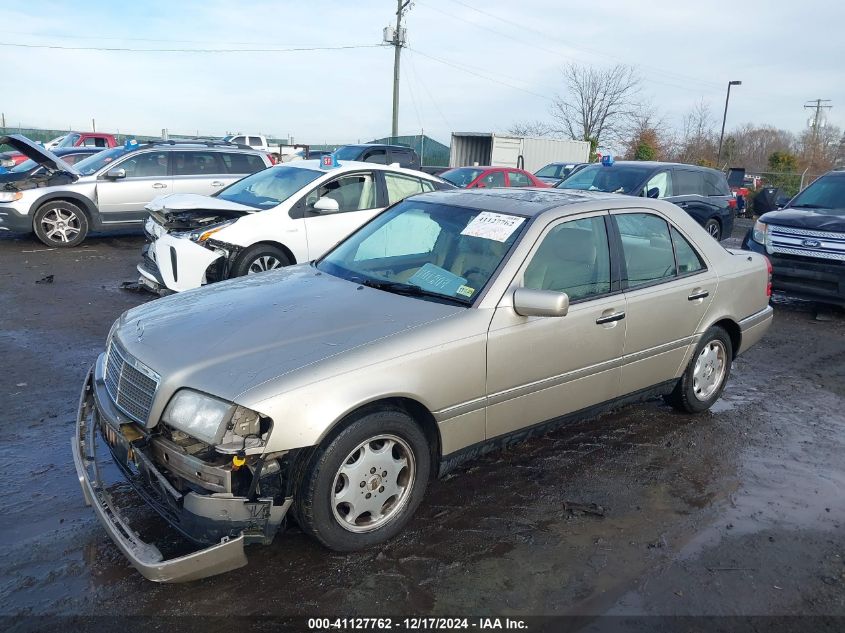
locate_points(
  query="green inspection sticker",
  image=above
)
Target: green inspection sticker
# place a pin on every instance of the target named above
(465, 291)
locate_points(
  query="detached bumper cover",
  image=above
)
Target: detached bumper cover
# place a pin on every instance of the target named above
(226, 555)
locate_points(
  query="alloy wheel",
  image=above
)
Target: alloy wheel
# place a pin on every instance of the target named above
(263, 264)
(373, 484)
(60, 225)
(709, 371)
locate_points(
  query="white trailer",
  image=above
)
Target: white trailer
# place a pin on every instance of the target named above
(505, 150)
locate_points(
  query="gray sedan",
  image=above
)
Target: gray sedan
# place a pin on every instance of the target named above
(331, 393)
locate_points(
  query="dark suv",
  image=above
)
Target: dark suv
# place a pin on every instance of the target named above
(700, 191)
(381, 154)
(805, 241)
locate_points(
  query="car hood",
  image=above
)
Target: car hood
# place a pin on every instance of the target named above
(236, 335)
(37, 153)
(811, 219)
(178, 202)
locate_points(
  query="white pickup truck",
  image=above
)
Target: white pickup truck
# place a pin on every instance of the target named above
(281, 153)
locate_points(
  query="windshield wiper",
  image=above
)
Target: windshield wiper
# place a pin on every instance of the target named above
(408, 289)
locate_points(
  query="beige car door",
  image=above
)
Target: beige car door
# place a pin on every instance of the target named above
(668, 291)
(540, 368)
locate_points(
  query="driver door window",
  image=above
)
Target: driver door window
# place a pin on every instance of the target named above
(492, 179)
(659, 185)
(355, 192)
(574, 258)
(148, 165)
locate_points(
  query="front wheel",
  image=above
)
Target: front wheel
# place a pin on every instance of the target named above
(706, 374)
(258, 259)
(364, 485)
(713, 227)
(60, 224)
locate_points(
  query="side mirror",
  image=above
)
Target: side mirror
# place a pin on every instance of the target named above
(116, 174)
(326, 205)
(480, 184)
(544, 303)
(654, 192)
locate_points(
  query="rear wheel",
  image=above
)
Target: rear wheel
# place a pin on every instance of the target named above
(60, 224)
(363, 486)
(258, 259)
(705, 377)
(713, 227)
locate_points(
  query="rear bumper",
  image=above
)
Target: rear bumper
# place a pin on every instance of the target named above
(817, 280)
(224, 521)
(754, 327)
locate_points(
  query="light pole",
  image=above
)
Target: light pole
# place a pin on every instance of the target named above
(725, 118)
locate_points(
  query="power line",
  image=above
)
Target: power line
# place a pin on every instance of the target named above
(191, 50)
(419, 78)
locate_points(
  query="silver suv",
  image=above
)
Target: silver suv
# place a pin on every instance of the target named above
(109, 190)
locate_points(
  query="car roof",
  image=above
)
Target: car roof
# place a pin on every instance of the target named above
(655, 164)
(347, 165)
(524, 201)
(366, 145)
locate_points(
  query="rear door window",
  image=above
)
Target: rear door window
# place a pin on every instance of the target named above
(647, 248)
(197, 164)
(242, 163)
(689, 183)
(518, 179)
(400, 186)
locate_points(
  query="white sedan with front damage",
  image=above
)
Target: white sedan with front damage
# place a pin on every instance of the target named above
(283, 215)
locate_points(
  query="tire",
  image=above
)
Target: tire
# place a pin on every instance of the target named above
(695, 391)
(259, 258)
(713, 227)
(338, 472)
(60, 224)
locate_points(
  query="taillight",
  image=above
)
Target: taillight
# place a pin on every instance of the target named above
(732, 203)
(272, 158)
(769, 270)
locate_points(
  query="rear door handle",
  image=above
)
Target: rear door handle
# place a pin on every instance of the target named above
(159, 185)
(610, 318)
(698, 294)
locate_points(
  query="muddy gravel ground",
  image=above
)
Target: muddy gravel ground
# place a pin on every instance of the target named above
(738, 511)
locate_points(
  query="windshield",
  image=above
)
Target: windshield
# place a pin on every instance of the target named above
(549, 171)
(434, 251)
(348, 152)
(270, 187)
(96, 162)
(613, 179)
(828, 193)
(462, 176)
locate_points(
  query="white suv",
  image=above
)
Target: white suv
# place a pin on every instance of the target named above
(110, 189)
(288, 214)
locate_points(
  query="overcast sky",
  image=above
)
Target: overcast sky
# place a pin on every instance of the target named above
(473, 65)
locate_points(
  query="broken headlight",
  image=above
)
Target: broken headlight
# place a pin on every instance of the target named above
(200, 236)
(226, 426)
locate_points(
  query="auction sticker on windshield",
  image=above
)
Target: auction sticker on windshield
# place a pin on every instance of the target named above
(493, 226)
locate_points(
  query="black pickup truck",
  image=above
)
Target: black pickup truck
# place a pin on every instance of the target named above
(805, 241)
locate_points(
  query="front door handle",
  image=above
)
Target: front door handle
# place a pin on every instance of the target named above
(159, 185)
(698, 294)
(610, 318)
(217, 183)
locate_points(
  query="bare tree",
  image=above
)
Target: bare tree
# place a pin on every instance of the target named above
(597, 102)
(533, 128)
(698, 142)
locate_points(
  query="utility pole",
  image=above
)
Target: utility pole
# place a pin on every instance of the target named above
(397, 41)
(818, 107)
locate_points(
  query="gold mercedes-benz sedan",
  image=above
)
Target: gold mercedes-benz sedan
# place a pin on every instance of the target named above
(330, 393)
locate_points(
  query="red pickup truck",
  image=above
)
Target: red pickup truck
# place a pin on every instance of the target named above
(71, 139)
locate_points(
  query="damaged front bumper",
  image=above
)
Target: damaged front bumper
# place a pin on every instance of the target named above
(175, 263)
(225, 521)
